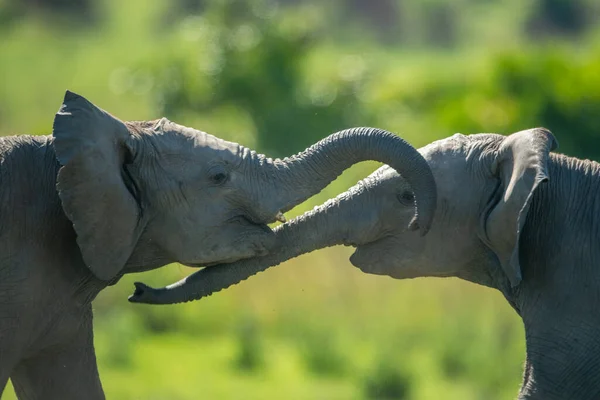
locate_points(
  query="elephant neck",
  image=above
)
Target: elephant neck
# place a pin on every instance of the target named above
(563, 358)
(558, 243)
(559, 255)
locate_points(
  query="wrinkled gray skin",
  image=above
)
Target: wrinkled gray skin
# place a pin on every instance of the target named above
(101, 197)
(511, 216)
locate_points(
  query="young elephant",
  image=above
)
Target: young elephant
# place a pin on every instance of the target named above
(102, 197)
(511, 216)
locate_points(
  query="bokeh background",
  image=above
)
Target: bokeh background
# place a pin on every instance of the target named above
(277, 76)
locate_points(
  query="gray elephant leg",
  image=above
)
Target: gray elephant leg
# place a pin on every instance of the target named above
(63, 372)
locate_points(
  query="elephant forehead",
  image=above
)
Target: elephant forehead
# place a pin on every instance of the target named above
(182, 138)
(443, 150)
(455, 164)
(459, 150)
(170, 138)
(445, 155)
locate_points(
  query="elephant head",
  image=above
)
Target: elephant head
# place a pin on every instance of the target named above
(485, 185)
(144, 194)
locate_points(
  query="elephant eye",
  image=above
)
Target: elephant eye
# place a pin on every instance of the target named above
(407, 198)
(218, 176)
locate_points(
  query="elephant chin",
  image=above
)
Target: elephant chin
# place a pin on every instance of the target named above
(379, 258)
(361, 260)
(374, 257)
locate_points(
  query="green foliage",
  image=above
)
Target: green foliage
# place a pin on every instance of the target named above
(248, 56)
(557, 89)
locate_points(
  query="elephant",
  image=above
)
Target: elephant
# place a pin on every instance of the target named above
(101, 197)
(511, 215)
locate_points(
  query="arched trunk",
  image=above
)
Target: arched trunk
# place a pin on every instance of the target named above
(295, 179)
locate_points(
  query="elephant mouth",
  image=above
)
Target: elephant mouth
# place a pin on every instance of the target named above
(244, 219)
(212, 264)
(256, 240)
(259, 252)
(197, 265)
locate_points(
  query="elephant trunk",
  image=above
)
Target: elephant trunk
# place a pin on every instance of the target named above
(327, 225)
(305, 174)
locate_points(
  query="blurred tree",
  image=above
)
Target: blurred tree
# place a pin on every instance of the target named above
(524, 90)
(78, 12)
(255, 62)
(557, 91)
(441, 24)
(558, 17)
(381, 16)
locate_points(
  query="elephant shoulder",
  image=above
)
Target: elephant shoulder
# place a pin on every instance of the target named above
(28, 169)
(26, 157)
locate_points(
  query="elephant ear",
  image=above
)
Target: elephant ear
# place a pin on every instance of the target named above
(90, 144)
(521, 164)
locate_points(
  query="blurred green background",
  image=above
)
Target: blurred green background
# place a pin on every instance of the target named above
(277, 76)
